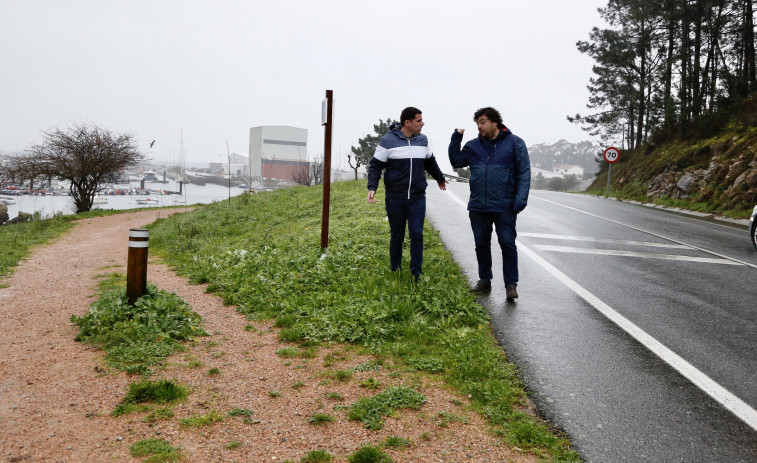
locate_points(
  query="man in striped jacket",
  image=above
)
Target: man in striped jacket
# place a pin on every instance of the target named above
(404, 155)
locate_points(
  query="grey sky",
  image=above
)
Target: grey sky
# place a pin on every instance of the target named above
(217, 68)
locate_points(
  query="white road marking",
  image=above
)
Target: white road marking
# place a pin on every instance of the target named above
(648, 255)
(603, 240)
(720, 394)
(646, 231)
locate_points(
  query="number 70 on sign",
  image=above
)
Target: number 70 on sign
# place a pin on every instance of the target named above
(612, 155)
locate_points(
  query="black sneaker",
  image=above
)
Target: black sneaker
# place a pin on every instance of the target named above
(482, 287)
(511, 291)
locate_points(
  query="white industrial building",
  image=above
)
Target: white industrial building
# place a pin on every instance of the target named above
(276, 151)
(237, 164)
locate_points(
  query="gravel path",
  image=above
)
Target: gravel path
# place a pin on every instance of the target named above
(56, 395)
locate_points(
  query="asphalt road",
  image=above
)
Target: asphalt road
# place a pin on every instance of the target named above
(636, 328)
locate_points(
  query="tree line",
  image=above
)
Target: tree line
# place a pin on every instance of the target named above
(667, 67)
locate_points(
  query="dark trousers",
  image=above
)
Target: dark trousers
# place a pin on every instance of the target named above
(411, 212)
(504, 223)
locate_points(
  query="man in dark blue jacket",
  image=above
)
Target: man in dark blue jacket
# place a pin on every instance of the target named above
(499, 184)
(404, 153)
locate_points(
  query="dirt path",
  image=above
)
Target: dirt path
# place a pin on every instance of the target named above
(56, 395)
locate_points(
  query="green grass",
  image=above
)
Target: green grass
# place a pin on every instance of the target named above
(262, 254)
(371, 365)
(369, 454)
(319, 418)
(137, 337)
(445, 418)
(18, 240)
(343, 375)
(241, 412)
(158, 450)
(160, 392)
(163, 413)
(371, 383)
(201, 420)
(396, 443)
(317, 456)
(372, 410)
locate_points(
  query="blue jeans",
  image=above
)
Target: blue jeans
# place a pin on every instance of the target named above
(412, 212)
(504, 222)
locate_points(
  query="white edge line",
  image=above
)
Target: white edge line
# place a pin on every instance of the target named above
(726, 398)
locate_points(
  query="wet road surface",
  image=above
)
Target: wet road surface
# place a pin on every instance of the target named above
(636, 329)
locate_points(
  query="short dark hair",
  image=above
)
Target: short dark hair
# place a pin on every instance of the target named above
(408, 114)
(491, 114)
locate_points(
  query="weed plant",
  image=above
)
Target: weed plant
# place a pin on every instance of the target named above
(161, 392)
(369, 454)
(246, 412)
(319, 418)
(163, 413)
(262, 254)
(138, 336)
(396, 443)
(201, 420)
(372, 410)
(317, 456)
(158, 450)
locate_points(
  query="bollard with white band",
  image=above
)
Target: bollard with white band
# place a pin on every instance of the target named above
(136, 269)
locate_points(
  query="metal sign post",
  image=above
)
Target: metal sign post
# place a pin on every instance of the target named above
(327, 107)
(611, 155)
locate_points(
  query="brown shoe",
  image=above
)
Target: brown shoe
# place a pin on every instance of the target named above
(511, 292)
(482, 287)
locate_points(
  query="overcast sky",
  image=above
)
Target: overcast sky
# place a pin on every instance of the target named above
(213, 69)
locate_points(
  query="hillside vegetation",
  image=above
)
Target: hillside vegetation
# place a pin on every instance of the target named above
(713, 170)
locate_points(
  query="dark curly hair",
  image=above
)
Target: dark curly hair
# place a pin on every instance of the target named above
(491, 114)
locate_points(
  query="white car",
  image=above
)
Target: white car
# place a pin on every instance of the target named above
(753, 227)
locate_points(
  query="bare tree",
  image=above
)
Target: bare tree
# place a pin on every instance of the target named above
(316, 169)
(362, 154)
(300, 174)
(86, 155)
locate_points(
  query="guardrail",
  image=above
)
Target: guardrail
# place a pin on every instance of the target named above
(455, 178)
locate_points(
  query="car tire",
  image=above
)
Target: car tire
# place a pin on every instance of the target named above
(753, 233)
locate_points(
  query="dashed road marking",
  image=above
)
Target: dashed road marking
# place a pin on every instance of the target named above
(603, 240)
(647, 255)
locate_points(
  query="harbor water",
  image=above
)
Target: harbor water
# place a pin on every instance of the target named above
(50, 205)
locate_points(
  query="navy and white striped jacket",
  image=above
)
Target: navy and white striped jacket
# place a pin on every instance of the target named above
(406, 161)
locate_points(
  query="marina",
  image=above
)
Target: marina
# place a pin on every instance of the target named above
(117, 198)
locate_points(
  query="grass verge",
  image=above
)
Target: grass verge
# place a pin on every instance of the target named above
(137, 337)
(261, 253)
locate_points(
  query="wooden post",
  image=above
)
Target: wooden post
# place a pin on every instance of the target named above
(136, 268)
(327, 169)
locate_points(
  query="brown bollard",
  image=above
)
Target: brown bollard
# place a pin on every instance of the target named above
(136, 268)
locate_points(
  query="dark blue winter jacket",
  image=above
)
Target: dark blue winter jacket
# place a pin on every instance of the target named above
(500, 171)
(406, 161)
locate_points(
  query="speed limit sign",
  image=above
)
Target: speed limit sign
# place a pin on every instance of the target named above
(612, 155)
